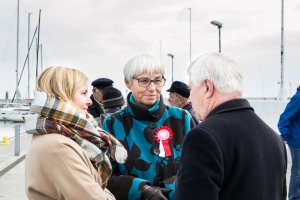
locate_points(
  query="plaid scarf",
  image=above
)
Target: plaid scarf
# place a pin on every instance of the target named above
(53, 115)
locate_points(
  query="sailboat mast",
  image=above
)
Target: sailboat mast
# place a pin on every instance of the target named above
(28, 70)
(38, 45)
(42, 67)
(17, 57)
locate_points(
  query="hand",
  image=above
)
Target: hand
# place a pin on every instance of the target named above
(154, 193)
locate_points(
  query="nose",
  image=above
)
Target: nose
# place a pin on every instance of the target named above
(151, 86)
(169, 99)
(89, 101)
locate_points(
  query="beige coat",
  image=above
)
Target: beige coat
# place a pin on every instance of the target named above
(57, 168)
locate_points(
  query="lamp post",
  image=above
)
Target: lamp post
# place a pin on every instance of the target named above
(219, 25)
(282, 92)
(172, 57)
(190, 9)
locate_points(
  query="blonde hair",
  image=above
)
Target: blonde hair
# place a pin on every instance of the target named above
(61, 82)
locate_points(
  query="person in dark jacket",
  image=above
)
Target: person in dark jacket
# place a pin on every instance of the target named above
(96, 109)
(113, 101)
(178, 96)
(232, 154)
(151, 132)
(289, 127)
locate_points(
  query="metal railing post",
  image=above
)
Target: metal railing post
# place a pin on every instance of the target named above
(17, 140)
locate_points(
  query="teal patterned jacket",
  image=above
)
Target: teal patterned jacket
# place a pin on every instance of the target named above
(135, 128)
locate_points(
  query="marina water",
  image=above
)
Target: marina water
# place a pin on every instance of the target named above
(7, 129)
(269, 111)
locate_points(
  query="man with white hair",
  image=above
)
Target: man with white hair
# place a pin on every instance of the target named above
(232, 154)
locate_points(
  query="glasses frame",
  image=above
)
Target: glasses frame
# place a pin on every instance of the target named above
(151, 81)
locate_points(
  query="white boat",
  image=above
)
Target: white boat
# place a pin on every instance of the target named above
(14, 113)
(17, 112)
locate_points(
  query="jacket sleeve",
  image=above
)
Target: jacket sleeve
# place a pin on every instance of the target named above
(200, 174)
(122, 186)
(72, 176)
(126, 187)
(291, 112)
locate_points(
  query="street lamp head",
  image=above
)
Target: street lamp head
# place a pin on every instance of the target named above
(171, 55)
(216, 23)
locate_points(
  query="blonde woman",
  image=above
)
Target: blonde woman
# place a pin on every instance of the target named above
(67, 156)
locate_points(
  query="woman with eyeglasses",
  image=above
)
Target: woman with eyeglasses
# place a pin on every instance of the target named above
(151, 132)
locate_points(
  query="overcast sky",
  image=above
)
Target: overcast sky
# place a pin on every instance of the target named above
(99, 37)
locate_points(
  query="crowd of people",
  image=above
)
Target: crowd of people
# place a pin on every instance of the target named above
(206, 142)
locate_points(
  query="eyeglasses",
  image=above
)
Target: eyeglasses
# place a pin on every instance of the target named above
(145, 82)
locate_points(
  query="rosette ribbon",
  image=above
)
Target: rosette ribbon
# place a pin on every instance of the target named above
(163, 135)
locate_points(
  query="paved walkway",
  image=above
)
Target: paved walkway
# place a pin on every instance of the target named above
(12, 170)
(12, 176)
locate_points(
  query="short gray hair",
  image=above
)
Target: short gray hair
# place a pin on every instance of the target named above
(221, 70)
(142, 63)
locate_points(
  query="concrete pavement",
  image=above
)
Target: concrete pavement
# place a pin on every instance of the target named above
(12, 176)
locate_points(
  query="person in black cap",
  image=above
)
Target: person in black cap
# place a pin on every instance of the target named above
(96, 109)
(113, 101)
(178, 96)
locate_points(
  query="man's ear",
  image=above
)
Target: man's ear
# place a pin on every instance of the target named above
(210, 88)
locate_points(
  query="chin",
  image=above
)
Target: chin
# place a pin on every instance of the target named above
(199, 116)
(150, 102)
(84, 113)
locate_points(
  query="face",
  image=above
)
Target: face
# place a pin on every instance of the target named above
(145, 96)
(98, 95)
(173, 99)
(199, 100)
(81, 99)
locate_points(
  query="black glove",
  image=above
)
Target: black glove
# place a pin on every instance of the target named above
(154, 193)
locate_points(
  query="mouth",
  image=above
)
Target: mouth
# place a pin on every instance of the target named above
(150, 96)
(84, 110)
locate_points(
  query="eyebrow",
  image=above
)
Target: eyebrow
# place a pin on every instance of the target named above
(159, 76)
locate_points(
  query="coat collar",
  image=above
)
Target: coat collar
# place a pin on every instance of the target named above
(188, 106)
(141, 113)
(231, 105)
(95, 103)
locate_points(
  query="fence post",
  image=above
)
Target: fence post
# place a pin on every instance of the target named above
(17, 140)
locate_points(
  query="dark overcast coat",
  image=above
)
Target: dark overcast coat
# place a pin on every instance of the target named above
(95, 109)
(232, 155)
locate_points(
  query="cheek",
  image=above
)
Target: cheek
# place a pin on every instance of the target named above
(158, 89)
(192, 96)
(138, 94)
(195, 99)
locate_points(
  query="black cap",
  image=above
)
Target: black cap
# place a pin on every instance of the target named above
(102, 83)
(180, 88)
(112, 97)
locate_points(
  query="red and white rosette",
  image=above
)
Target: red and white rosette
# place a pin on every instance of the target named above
(163, 135)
